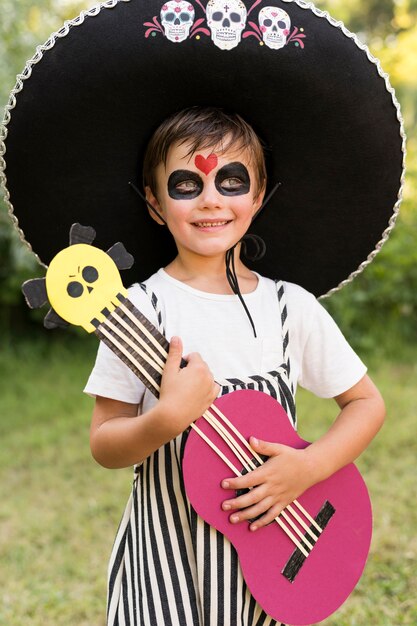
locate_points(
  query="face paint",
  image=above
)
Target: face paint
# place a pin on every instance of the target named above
(184, 185)
(233, 180)
(205, 165)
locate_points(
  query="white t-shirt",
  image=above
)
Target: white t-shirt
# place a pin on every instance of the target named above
(216, 326)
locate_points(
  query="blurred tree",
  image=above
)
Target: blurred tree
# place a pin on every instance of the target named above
(369, 17)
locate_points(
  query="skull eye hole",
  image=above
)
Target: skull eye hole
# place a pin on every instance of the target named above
(235, 17)
(90, 274)
(170, 17)
(217, 16)
(184, 17)
(268, 22)
(281, 24)
(75, 289)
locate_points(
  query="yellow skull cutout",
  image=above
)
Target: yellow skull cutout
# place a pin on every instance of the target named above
(82, 283)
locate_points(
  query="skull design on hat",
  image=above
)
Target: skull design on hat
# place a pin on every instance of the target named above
(275, 25)
(226, 20)
(177, 17)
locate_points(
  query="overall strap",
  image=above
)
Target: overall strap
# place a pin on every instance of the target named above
(282, 303)
(154, 301)
(286, 384)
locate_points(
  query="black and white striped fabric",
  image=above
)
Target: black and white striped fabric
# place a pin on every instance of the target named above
(168, 567)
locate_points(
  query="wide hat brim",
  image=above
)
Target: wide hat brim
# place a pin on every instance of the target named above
(84, 109)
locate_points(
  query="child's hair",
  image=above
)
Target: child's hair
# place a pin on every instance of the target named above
(203, 127)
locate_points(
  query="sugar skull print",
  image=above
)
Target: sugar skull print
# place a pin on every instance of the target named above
(226, 20)
(177, 17)
(275, 25)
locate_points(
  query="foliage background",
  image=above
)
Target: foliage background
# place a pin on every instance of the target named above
(59, 512)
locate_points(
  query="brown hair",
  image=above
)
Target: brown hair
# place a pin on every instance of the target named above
(203, 127)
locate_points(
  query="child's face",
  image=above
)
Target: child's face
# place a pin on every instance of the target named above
(208, 199)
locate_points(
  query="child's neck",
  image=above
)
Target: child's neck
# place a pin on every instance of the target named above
(209, 274)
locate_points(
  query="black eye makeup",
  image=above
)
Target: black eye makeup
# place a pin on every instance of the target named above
(233, 180)
(184, 184)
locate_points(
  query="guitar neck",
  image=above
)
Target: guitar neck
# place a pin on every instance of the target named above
(136, 341)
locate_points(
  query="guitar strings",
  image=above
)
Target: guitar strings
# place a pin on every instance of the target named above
(135, 347)
(247, 463)
(123, 350)
(155, 342)
(209, 418)
(143, 329)
(206, 414)
(125, 325)
(215, 424)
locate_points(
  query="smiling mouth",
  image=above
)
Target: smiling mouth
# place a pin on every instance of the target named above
(211, 224)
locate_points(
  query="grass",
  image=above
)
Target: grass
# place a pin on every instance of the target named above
(59, 510)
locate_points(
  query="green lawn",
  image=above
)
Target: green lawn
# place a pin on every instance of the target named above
(59, 511)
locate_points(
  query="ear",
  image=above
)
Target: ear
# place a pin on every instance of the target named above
(153, 202)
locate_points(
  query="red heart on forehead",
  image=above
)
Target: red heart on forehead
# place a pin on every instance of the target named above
(205, 165)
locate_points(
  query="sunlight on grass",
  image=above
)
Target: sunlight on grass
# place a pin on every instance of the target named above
(60, 510)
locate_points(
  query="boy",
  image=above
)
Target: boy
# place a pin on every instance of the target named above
(205, 180)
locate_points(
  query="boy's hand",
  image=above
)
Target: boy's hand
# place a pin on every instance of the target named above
(273, 485)
(185, 393)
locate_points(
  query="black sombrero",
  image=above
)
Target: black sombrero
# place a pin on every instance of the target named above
(83, 110)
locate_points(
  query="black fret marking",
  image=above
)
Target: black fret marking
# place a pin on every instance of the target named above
(297, 558)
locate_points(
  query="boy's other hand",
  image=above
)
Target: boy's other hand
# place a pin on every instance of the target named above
(272, 486)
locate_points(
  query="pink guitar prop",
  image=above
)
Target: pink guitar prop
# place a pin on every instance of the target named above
(289, 586)
(301, 567)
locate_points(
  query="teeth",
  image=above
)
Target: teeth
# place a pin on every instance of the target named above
(208, 224)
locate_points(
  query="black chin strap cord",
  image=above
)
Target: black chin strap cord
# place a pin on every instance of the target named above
(148, 204)
(259, 253)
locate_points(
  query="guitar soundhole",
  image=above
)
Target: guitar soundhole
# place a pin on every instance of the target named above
(241, 492)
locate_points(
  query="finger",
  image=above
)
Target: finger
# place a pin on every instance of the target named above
(251, 479)
(194, 357)
(268, 448)
(268, 518)
(247, 499)
(251, 512)
(175, 353)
